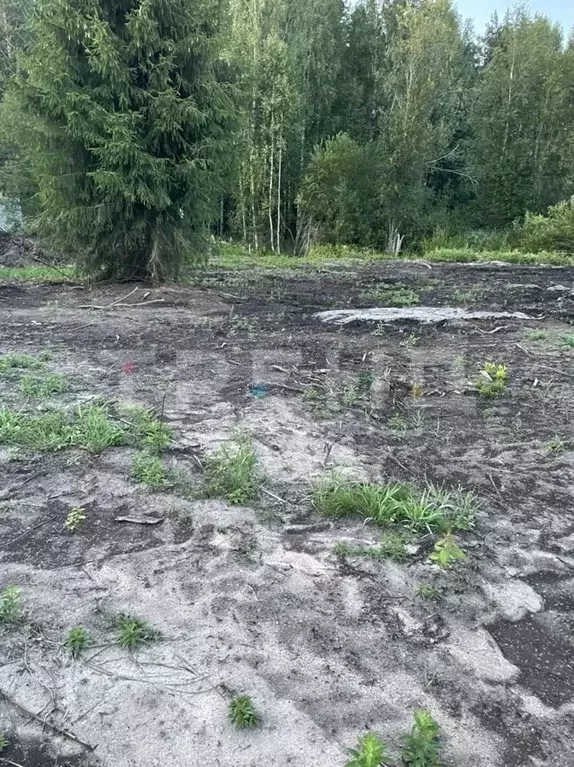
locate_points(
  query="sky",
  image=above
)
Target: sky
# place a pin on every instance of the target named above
(481, 10)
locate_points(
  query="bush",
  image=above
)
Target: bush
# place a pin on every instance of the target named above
(555, 231)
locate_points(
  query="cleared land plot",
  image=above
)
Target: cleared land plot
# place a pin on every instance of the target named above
(198, 580)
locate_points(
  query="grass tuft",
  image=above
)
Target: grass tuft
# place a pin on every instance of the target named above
(76, 641)
(133, 633)
(148, 469)
(42, 387)
(4, 742)
(433, 509)
(242, 713)
(233, 472)
(492, 380)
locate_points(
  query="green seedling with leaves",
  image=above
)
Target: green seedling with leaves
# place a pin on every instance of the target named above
(492, 380)
(76, 641)
(421, 748)
(428, 593)
(370, 752)
(242, 713)
(10, 605)
(75, 518)
(446, 552)
(4, 742)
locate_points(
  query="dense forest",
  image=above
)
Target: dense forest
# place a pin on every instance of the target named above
(136, 126)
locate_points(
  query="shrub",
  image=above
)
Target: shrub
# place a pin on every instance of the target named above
(554, 231)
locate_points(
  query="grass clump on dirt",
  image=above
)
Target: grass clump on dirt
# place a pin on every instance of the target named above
(446, 552)
(392, 546)
(568, 340)
(42, 387)
(76, 641)
(432, 509)
(148, 469)
(93, 428)
(242, 713)
(10, 605)
(4, 742)
(133, 633)
(557, 445)
(144, 428)
(492, 380)
(233, 472)
(389, 294)
(11, 363)
(428, 593)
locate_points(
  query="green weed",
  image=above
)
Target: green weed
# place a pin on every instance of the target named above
(242, 713)
(492, 380)
(389, 294)
(95, 431)
(10, 605)
(132, 632)
(392, 546)
(397, 422)
(537, 335)
(75, 518)
(148, 469)
(233, 473)
(76, 641)
(568, 340)
(556, 445)
(42, 387)
(10, 363)
(432, 509)
(144, 428)
(370, 752)
(421, 748)
(446, 552)
(4, 742)
(428, 593)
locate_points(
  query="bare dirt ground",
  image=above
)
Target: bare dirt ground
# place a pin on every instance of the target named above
(252, 599)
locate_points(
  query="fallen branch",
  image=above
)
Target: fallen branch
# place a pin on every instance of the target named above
(140, 520)
(54, 727)
(117, 305)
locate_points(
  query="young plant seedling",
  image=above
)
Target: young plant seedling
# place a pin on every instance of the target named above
(568, 340)
(10, 605)
(492, 380)
(75, 518)
(148, 469)
(428, 593)
(421, 748)
(76, 641)
(370, 752)
(242, 713)
(4, 742)
(133, 633)
(556, 445)
(446, 552)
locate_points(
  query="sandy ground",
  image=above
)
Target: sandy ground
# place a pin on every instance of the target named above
(252, 599)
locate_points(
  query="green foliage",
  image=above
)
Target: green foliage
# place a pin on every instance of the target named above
(10, 605)
(75, 518)
(428, 593)
(93, 428)
(4, 742)
(557, 445)
(144, 428)
(12, 363)
(568, 340)
(393, 546)
(536, 335)
(421, 748)
(432, 509)
(123, 116)
(389, 294)
(148, 469)
(492, 380)
(232, 472)
(370, 752)
(446, 552)
(133, 633)
(42, 387)
(338, 190)
(242, 713)
(76, 641)
(553, 231)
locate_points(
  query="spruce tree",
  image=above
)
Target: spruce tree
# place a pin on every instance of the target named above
(124, 116)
